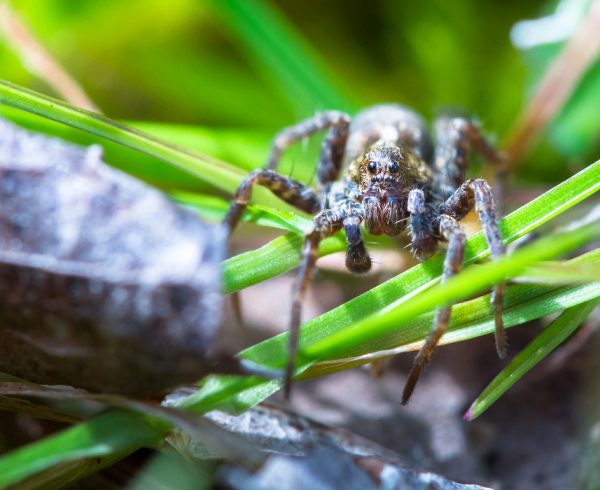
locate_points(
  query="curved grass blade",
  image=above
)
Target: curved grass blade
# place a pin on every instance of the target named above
(104, 438)
(242, 148)
(333, 334)
(557, 272)
(234, 394)
(470, 319)
(214, 209)
(276, 257)
(468, 282)
(219, 174)
(555, 334)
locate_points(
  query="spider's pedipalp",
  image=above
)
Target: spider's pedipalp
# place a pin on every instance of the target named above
(423, 241)
(358, 259)
(416, 202)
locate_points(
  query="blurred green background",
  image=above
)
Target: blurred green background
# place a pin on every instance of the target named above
(254, 66)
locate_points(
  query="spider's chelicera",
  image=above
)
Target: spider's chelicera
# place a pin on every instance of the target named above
(394, 179)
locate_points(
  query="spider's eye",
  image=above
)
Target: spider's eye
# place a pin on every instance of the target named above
(393, 167)
(372, 167)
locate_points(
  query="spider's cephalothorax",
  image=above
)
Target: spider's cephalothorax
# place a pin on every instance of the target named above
(385, 175)
(394, 179)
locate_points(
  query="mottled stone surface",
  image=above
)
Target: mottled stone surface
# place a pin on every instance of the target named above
(305, 454)
(105, 283)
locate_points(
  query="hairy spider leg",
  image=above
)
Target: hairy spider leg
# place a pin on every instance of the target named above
(310, 252)
(473, 192)
(477, 192)
(455, 137)
(332, 148)
(303, 198)
(328, 169)
(455, 235)
(289, 190)
(343, 213)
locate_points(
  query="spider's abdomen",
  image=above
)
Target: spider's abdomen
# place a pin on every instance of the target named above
(391, 123)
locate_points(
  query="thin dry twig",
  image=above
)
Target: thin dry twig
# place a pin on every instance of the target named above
(557, 85)
(39, 61)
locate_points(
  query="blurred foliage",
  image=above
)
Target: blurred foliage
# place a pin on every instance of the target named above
(201, 62)
(574, 133)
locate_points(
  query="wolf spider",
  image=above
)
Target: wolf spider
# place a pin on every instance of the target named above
(394, 179)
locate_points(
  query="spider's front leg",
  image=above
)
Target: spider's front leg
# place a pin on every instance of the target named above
(473, 192)
(346, 214)
(477, 192)
(289, 190)
(455, 235)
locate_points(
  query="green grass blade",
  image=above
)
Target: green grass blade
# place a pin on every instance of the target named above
(242, 148)
(467, 283)
(530, 356)
(214, 209)
(471, 319)
(278, 256)
(218, 174)
(117, 432)
(275, 44)
(524, 302)
(336, 333)
(562, 273)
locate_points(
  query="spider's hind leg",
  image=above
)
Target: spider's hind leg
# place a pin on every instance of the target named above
(455, 137)
(332, 148)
